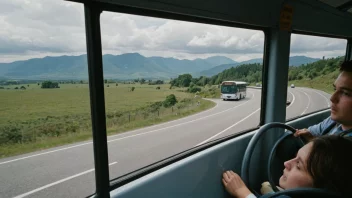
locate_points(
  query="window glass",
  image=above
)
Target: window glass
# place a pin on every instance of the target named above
(314, 66)
(45, 123)
(163, 86)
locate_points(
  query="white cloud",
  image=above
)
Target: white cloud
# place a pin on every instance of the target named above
(178, 36)
(304, 43)
(40, 26)
(35, 28)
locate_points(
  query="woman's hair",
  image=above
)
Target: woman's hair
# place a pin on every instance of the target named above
(330, 164)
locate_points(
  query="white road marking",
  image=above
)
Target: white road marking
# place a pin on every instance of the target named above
(326, 99)
(39, 154)
(178, 124)
(22, 158)
(179, 118)
(164, 123)
(293, 99)
(57, 182)
(308, 102)
(228, 128)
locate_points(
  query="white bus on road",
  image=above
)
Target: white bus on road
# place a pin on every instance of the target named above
(233, 90)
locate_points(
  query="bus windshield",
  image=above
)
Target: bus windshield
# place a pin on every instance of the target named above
(228, 89)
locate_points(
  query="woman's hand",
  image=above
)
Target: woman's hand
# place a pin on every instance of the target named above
(235, 185)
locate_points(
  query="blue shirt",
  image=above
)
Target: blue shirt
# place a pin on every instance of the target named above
(328, 127)
(280, 196)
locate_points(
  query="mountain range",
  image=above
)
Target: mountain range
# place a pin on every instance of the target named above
(124, 66)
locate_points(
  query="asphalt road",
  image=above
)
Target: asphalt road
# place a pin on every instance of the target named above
(68, 171)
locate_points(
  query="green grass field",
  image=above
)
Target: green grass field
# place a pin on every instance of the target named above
(36, 118)
(34, 102)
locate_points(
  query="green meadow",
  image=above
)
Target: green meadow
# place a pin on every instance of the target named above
(36, 118)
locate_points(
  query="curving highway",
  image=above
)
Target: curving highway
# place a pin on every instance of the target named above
(68, 171)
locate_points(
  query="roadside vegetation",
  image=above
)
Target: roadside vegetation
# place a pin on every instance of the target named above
(35, 118)
(318, 75)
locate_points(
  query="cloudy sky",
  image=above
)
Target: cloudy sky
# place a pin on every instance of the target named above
(39, 28)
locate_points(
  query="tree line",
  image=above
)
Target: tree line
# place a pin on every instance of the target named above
(252, 73)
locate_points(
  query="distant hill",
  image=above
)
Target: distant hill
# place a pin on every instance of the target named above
(132, 65)
(177, 66)
(319, 74)
(294, 61)
(219, 60)
(251, 61)
(301, 60)
(125, 66)
(217, 69)
(47, 67)
(190, 66)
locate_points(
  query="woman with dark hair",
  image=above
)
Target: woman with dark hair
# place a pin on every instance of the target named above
(322, 163)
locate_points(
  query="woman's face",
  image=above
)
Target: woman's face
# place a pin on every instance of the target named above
(295, 174)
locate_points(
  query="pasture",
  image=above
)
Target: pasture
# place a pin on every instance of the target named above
(37, 118)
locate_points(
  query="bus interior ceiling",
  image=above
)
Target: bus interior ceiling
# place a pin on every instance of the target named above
(196, 173)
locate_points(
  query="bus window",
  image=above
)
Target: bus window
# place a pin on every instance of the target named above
(163, 86)
(228, 89)
(310, 84)
(45, 118)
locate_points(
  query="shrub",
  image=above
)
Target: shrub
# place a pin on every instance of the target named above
(113, 114)
(155, 106)
(10, 134)
(49, 85)
(170, 100)
(183, 103)
(194, 89)
(72, 128)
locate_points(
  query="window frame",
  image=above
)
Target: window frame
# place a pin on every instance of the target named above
(92, 21)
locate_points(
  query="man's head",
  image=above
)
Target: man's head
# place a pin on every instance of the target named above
(341, 99)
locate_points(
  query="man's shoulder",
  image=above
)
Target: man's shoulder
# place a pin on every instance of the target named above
(328, 121)
(322, 128)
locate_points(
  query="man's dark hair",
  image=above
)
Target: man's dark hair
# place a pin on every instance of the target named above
(330, 165)
(346, 66)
